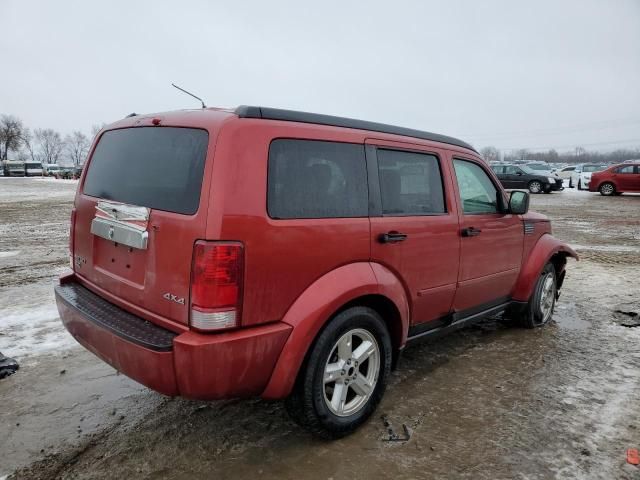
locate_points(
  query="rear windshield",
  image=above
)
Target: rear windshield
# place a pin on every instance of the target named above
(154, 167)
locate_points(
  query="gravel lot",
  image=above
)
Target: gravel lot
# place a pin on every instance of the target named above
(490, 402)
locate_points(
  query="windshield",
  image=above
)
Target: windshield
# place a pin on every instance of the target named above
(593, 168)
(154, 167)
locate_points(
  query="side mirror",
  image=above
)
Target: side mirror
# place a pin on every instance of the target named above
(519, 202)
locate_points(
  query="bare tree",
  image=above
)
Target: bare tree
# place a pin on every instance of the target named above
(11, 129)
(29, 147)
(522, 154)
(95, 129)
(77, 147)
(490, 154)
(49, 145)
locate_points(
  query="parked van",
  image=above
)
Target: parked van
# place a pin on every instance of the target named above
(33, 169)
(14, 169)
(264, 252)
(51, 169)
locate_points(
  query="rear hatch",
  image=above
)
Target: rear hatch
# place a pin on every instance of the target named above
(141, 206)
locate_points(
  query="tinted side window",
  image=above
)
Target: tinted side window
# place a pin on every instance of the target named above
(498, 169)
(511, 170)
(627, 169)
(316, 179)
(410, 183)
(477, 192)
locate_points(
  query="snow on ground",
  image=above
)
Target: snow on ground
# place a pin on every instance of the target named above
(30, 324)
(9, 254)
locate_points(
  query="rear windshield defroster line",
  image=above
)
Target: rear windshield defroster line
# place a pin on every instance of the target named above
(155, 167)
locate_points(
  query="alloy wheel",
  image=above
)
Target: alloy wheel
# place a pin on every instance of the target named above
(535, 187)
(547, 297)
(351, 372)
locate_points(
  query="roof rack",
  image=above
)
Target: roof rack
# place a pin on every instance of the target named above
(246, 111)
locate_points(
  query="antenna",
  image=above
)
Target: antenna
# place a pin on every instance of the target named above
(189, 93)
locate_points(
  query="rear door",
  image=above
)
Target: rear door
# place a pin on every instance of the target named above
(414, 223)
(491, 241)
(138, 214)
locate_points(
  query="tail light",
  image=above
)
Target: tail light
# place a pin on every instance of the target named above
(72, 231)
(216, 285)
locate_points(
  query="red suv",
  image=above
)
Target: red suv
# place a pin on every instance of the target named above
(617, 179)
(232, 253)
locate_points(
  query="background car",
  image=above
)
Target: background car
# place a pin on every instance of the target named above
(521, 176)
(565, 173)
(582, 175)
(616, 180)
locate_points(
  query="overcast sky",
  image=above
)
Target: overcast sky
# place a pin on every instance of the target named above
(533, 74)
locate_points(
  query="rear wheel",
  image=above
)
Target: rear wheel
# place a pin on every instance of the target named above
(579, 185)
(535, 186)
(540, 308)
(607, 189)
(345, 375)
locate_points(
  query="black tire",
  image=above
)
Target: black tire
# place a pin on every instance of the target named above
(607, 189)
(570, 182)
(308, 404)
(533, 316)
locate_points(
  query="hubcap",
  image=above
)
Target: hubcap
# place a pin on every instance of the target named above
(547, 298)
(607, 189)
(535, 187)
(351, 372)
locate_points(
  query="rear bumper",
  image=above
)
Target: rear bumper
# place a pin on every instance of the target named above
(189, 364)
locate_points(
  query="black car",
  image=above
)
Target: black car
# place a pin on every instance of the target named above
(521, 176)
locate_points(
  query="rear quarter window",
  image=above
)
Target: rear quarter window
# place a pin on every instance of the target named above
(155, 167)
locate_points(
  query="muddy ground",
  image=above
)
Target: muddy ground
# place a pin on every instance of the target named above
(490, 402)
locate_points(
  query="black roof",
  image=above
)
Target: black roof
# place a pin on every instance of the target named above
(246, 111)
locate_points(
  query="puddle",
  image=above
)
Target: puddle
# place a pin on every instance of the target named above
(566, 316)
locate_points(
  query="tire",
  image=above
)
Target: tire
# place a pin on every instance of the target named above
(579, 185)
(535, 186)
(570, 182)
(313, 404)
(607, 189)
(540, 308)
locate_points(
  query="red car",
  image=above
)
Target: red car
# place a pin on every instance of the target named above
(617, 179)
(263, 252)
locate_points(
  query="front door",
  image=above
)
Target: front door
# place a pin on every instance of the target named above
(414, 224)
(516, 177)
(491, 241)
(627, 178)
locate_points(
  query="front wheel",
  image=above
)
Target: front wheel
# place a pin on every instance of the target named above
(607, 189)
(540, 308)
(535, 186)
(344, 376)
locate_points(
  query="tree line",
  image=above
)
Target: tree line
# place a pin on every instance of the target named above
(579, 155)
(42, 145)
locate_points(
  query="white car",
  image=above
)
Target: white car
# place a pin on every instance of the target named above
(565, 174)
(581, 176)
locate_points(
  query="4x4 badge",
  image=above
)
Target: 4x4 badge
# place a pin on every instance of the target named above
(173, 298)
